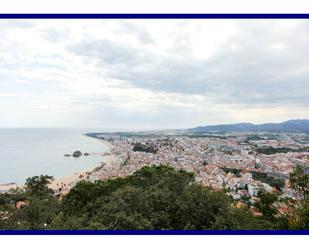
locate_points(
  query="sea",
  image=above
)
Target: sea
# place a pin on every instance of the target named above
(27, 152)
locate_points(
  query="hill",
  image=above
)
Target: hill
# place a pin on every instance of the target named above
(290, 126)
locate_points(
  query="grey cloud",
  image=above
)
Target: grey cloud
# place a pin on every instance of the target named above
(141, 33)
(7, 26)
(54, 35)
(18, 23)
(246, 70)
(106, 51)
(136, 119)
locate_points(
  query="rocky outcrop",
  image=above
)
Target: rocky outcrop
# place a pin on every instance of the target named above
(77, 153)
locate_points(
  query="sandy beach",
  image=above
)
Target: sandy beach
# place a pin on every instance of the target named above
(64, 184)
(7, 186)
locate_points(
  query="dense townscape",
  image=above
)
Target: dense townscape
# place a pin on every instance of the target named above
(241, 163)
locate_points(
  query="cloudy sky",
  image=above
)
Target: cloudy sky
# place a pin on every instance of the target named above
(152, 74)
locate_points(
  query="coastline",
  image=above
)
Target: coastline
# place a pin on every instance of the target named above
(66, 182)
(108, 144)
(5, 187)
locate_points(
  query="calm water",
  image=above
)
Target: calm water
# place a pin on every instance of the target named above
(29, 152)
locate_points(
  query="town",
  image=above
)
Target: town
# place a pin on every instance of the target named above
(242, 164)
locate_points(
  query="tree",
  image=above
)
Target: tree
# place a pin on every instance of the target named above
(37, 214)
(265, 204)
(299, 181)
(243, 219)
(37, 186)
(154, 197)
(302, 217)
(277, 183)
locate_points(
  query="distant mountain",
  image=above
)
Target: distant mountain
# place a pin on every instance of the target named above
(291, 126)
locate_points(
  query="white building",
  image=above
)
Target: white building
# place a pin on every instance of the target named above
(253, 190)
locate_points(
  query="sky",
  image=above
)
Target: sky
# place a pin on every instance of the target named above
(126, 75)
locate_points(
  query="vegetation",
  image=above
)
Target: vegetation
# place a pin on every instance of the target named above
(274, 182)
(155, 197)
(271, 150)
(145, 148)
(209, 135)
(232, 170)
(38, 207)
(265, 204)
(253, 137)
(300, 181)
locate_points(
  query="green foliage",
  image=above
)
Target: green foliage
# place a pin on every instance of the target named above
(244, 220)
(37, 214)
(255, 137)
(232, 170)
(271, 150)
(5, 199)
(301, 217)
(299, 181)
(145, 148)
(155, 197)
(152, 198)
(265, 204)
(39, 205)
(37, 186)
(274, 182)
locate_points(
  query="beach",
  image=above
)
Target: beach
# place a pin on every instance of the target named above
(7, 186)
(64, 184)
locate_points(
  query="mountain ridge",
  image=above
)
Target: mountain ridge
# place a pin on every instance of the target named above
(290, 126)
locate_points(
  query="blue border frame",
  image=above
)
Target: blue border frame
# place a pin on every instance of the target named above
(153, 16)
(154, 232)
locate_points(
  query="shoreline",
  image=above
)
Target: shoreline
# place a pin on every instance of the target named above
(68, 181)
(108, 144)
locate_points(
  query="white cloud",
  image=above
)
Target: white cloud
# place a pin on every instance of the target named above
(140, 74)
